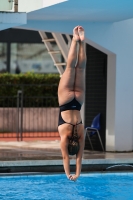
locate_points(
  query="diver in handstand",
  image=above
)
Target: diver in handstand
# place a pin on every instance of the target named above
(71, 97)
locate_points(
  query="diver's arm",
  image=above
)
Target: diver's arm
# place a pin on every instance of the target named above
(79, 156)
(65, 155)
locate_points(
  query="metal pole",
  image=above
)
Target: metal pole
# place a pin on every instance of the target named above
(19, 117)
(21, 120)
(19, 91)
(15, 5)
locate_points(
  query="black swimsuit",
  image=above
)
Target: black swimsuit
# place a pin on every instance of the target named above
(72, 105)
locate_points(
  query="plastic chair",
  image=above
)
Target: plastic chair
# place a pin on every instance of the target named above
(94, 129)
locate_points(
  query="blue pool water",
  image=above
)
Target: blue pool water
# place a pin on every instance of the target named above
(56, 187)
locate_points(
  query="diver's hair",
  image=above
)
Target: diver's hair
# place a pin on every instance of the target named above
(73, 146)
(73, 149)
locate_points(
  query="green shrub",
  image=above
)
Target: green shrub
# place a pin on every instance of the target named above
(34, 86)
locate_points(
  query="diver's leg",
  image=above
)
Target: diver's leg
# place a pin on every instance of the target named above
(66, 85)
(80, 68)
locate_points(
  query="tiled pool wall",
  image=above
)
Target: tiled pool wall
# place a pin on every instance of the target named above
(37, 175)
(59, 168)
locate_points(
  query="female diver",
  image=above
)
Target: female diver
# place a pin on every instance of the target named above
(71, 96)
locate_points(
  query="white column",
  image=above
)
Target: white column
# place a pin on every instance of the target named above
(110, 107)
(124, 101)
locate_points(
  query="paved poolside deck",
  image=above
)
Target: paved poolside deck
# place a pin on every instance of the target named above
(47, 153)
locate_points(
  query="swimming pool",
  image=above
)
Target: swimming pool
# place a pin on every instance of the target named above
(107, 186)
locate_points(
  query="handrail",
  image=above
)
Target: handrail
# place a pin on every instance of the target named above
(119, 165)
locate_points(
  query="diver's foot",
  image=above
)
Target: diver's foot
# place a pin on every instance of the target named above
(81, 33)
(76, 34)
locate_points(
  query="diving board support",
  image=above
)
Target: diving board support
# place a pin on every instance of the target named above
(63, 46)
(53, 53)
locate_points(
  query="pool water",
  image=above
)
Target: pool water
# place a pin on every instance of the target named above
(108, 186)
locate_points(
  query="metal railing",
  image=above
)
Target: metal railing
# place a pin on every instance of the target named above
(25, 117)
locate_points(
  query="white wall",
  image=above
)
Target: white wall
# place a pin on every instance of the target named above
(118, 38)
(5, 5)
(31, 5)
(27, 6)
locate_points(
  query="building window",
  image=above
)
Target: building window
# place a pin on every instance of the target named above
(3, 57)
(31, 57)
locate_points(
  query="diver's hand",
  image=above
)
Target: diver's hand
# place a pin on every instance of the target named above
(73, 177)
(69, 176)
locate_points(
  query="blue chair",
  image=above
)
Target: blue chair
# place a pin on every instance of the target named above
(94, 129)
